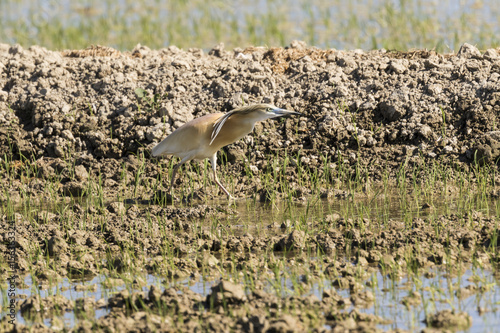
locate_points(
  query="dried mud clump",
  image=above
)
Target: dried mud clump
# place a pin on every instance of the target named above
(37, 306)
(92, 51)
(448, 319)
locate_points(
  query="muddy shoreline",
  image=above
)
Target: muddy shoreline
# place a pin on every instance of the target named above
(80, 124)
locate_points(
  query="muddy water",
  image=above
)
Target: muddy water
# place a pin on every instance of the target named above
(438, 294)
(465, 288)
(255, 217)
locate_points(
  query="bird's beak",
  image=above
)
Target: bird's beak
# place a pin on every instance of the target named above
(282, 112)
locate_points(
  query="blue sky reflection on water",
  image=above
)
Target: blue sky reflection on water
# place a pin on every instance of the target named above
(438, 291)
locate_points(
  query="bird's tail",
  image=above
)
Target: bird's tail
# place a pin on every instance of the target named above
(160, 149)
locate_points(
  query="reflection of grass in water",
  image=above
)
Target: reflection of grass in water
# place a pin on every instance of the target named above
(341, 24)
(439, 290)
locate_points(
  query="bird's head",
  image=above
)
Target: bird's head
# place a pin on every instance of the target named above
(266, 111)
(273, 111)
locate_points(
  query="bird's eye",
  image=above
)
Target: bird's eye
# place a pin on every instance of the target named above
(269, 109)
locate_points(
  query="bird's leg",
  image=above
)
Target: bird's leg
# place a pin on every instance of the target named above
(174, 172)
(213, 161)
(222, 187)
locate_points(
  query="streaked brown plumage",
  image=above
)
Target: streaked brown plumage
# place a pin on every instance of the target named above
(202, 137)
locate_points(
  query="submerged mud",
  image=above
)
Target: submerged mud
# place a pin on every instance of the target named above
(89, 119)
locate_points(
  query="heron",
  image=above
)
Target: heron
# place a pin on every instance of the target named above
(202, 137)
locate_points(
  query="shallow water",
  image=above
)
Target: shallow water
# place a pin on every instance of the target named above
(388, 294)
(256, 218)
(438, 289)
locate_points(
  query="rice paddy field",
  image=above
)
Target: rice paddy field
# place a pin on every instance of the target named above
(375, 210)
(366, 24)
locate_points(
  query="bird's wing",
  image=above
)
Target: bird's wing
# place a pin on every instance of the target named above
(218, 125)
(180, 143)
(188, 139)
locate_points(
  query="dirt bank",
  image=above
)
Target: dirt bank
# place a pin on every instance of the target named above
(378, 107)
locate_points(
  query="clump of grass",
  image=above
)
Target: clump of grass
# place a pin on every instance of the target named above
(153, 102)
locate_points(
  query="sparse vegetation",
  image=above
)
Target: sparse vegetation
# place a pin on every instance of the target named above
(397, 25)
(376, 209)
(295, 259)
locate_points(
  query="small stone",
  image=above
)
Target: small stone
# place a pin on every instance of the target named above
(449, 319)
(86, 304)
(469, 51)
(81, 173)
(154, 294)
(74, 189)
(434, 89)
(181, 64)
(217, 51)
(294, 241)
(117, 208)
(491, 54)
(77, 268)
(391, 111)
(285, 323)
(208, 260)
(57, 246)
(447, 149)
(398, 66)
(426, 131)
(226, 292)
(66, 134)
(298, 44)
